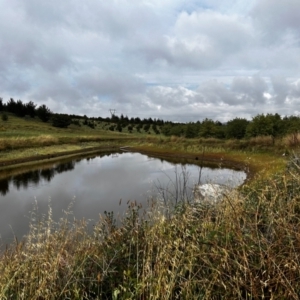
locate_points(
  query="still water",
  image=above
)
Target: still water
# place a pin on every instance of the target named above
(96, 184)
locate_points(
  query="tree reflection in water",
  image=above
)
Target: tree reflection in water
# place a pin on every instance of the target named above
(34, 177)
(4, 186)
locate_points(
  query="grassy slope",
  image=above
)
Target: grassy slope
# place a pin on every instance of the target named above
(26, 137)
(21, 137)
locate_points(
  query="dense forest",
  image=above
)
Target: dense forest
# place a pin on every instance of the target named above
(239, 128)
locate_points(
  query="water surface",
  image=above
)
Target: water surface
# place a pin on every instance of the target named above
(96, 184)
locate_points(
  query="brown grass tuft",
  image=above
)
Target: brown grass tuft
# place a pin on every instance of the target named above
(292, 140)
(261, 141)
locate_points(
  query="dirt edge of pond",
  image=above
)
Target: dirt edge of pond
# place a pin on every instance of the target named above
(196, 158)
(13, 163)
(215, 159)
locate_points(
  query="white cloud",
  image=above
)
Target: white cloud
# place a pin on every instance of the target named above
(183, 61)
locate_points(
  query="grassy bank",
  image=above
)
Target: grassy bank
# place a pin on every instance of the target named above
(26, 137)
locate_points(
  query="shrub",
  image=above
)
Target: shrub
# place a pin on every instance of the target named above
(4, 117)
(91, 124)
(61, 120)
(44, 113)
(76, 122)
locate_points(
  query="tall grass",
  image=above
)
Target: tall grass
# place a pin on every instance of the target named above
(14, 143)
(24, 142)
(246, 246)
(292, 140)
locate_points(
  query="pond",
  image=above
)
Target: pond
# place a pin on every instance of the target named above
(96, 184)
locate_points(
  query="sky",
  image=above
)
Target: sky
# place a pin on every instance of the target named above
(177, 60)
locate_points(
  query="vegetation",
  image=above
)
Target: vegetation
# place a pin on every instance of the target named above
(44, 113)
(61, 120)
(271, 125)
(244, 247)
(4, 117)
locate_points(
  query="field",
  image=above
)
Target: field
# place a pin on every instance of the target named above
(246, 246)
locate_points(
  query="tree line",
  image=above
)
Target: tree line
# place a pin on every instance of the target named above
(21, 109)
(239, 128)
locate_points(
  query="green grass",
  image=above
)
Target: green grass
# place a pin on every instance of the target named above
(23, 137)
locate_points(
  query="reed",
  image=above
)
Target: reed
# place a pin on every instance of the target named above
(24, 142)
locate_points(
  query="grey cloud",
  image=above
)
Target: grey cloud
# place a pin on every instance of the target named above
(107, 18)
(244, 98)
(212, 99)
(178, 53)
(45, 14)
(281, 88)
(13, 83)
(251, 89)
(108, 84)
(216, 92)
(279, 59)
(27, 46)
(277, 19)
(57, 90)
(40, 31)
(84, 56)
(228, 32)
(201, 40)
(169, 97)
(295, 90)
(284, 90)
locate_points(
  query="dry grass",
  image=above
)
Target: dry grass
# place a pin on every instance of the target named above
(49, 140)
(245, 247)
(211, 141)
(262, 141)
(177, 139)
(25, 142)
(292, 140)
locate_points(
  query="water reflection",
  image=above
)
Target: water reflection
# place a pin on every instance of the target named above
(94, 184)
(34, 177)
(4, 186)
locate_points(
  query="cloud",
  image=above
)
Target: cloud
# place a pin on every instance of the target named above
(244, 97)
(276, 20)
(149, 58)
(250, 89)
(216, 93)
(26, 46)
(281, 88)
(200, 40)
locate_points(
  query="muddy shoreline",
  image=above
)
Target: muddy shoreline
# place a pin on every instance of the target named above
(214, 160)
(44, 158)
(207, 159)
